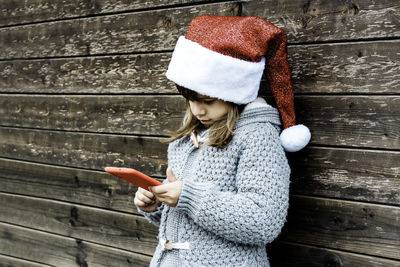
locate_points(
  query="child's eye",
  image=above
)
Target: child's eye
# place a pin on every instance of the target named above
(208, 102)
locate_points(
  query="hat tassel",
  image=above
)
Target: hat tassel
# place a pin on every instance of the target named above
(295, 138)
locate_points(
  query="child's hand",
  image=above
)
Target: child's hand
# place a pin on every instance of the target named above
(168, 193)
(146, 200)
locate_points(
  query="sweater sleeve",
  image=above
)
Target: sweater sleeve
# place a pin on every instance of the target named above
(153, 217)
(255, 213)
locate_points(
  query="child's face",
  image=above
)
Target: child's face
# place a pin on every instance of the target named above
(208, 110)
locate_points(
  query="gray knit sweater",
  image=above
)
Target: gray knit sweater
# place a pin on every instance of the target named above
(234, 200)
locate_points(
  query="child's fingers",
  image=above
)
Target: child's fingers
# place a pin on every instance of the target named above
(170, 175)
(144, 197)
(142, 201)
(167, 200)
(139, 203)
(146, 193)
(164, 196)
(160, 189)
(161, 198)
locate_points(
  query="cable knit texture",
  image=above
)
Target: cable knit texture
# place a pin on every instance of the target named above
(234, 200)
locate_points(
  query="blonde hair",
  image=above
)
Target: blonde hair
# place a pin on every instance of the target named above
(221, 132)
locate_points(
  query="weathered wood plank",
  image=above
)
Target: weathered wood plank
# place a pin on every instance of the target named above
(357, 121)
(108, 228)
(364, 67)
(303, 20)
(284, 254)
(365, 175)
(91, 151)
(365, 228)
(19, 12)
(93, 188)
(62, 251)
(318, 20)
(107, 74)
(14, 262)
(58, 218)
(108, 114)
(122, 33)
(343, 225)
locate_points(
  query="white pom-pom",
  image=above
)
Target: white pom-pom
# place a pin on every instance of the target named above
(295, 138)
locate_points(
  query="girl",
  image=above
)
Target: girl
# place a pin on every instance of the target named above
(227, 187)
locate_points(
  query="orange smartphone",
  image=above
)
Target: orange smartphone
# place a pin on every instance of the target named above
(133, 176)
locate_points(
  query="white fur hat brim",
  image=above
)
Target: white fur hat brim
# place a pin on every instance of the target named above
(213, 74)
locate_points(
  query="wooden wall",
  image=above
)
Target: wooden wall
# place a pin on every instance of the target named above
(82, 86)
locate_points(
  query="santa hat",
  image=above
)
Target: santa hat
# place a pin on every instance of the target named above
(225, 57)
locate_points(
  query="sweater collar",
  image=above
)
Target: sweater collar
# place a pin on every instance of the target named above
(258, 111)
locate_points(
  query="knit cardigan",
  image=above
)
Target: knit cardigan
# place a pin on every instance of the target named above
(233, 201)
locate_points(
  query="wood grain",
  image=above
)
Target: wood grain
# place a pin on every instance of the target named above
(14, 262)
(144, 115)
(57, 250)
(305, 20)
(357, 174)
(358, 220)
(18, 12)
(353, 121)
(286, 254)
(82, 86)
(125, 74)
(154, 30)
(331, 172)
(100, 226)
(362, 67)
(90, 151)
(364, 228)
(91, 188)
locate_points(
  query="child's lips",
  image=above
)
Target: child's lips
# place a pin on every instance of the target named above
(205, 121)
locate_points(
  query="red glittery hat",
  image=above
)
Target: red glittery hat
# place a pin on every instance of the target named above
(225, 57)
